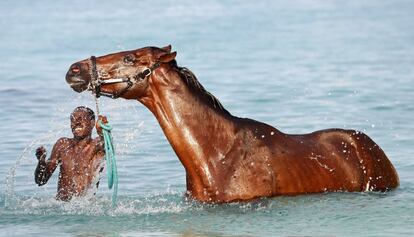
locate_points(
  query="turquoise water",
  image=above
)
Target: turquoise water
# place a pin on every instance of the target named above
(299, 65)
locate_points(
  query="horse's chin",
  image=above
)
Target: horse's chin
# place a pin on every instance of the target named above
(77, 82)
(78, 87)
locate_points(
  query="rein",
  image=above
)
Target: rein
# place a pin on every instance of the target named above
(97, 82)
(111, 168)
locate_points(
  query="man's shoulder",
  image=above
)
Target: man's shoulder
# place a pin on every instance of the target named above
(98, 141)
(63, 141)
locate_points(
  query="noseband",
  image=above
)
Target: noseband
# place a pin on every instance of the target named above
(96, 82)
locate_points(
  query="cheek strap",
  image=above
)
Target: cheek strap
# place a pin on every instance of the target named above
(96, 82)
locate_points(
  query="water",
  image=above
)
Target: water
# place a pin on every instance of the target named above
(298, 65)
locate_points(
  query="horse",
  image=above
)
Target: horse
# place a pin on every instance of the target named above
(228, 158)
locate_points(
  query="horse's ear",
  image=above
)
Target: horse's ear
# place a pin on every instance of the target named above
(167, 48)
(167, 57)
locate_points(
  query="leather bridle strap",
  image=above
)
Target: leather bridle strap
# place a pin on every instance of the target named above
(97, 82)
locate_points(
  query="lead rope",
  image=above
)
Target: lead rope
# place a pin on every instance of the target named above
(97, 105)
(111, 168)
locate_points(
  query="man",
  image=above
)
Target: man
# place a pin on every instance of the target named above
(79, 157)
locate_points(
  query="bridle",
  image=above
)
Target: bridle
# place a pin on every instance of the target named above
(96, 82)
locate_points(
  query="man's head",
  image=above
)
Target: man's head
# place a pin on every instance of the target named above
(82, 122)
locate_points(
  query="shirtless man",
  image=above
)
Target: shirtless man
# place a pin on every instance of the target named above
(79, 157)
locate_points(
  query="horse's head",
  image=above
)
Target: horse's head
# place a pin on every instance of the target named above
(124, 74)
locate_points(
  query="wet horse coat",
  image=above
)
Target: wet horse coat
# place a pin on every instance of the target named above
(227, 158)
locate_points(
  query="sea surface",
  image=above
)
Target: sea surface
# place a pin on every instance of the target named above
(299, 65)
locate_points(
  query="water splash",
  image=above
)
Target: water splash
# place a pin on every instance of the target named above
(168, 202)
(12, 174)
(10, 177)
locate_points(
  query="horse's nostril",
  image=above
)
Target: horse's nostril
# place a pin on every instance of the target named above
(75, 70)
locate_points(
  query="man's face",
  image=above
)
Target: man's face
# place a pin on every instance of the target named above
(81, 124)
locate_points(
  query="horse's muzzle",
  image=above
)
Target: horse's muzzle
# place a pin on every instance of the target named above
(78, 76)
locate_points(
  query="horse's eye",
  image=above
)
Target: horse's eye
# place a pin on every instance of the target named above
(129, 59)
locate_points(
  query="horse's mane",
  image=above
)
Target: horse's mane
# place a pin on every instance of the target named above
(195, 86)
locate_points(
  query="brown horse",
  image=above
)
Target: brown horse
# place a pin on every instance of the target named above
(227, 158)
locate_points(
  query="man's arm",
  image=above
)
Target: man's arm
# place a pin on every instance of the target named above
(100, 143)
(45, 169)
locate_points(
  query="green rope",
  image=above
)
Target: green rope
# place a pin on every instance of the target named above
(110, 160)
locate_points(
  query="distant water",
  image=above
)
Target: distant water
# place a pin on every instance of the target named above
(298, 65)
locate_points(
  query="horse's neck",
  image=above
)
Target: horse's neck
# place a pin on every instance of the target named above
(200, 134)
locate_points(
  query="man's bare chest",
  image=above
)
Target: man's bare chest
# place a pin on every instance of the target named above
(79, 159)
